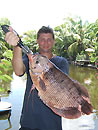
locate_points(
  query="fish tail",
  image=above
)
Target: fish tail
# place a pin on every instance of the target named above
(87, 108)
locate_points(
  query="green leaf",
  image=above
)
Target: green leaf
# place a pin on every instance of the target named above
(5, 77)
(8, 54)
(8, 77)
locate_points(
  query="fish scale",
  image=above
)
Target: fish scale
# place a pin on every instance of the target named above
(54, 88)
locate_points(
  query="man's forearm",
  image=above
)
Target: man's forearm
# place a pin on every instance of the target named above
(17, 62)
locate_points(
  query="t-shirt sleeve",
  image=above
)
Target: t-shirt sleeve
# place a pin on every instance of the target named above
(61, 63)
(64, 66)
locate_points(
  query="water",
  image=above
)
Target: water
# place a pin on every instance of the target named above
(85, 76)
(16, 99)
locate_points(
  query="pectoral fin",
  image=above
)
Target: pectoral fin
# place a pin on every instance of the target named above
(42, 84)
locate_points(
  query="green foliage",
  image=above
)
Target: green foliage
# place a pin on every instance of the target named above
(4, 21)
(3, 43)
(5, 77)
(73, 49)
(8, 54)
(63, 40)
(1, 89)
(5, 55)
(73, 37)
(81, 57)
(5, 67)
(29, 39)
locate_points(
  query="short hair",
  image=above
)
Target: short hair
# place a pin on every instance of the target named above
(45, 29)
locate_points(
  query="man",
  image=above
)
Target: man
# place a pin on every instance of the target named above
(35, 114)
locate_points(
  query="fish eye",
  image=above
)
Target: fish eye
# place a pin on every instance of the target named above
(37, 62)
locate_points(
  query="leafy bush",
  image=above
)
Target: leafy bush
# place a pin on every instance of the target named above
(81, 57)
(6, 66)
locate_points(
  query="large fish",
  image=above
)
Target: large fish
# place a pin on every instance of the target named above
(65, 96)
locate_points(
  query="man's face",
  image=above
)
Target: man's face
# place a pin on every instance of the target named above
(45, 42)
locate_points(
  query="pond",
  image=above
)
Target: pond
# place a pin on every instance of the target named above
(86, 76)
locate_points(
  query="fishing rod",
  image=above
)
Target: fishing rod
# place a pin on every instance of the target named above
(25, 49)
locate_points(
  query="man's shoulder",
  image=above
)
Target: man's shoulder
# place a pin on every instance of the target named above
(59, 59)
(61, 63)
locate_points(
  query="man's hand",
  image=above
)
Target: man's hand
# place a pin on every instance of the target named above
(11, 38)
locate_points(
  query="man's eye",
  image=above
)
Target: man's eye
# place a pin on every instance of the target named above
(42, 40)
(49, 40)
(37, 62)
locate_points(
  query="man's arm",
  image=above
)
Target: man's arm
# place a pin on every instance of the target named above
(17, 62)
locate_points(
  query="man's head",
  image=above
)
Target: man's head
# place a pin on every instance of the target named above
(45, 39)
(45, 29)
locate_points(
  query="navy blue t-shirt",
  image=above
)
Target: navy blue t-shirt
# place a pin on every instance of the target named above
(35, 114)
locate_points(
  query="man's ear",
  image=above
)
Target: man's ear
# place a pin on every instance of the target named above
(54, 42)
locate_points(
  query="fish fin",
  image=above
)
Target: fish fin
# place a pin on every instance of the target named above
(69, 113)
(32, 88)
(42, 84)
(86, 108)
(81, 89)
(33, 76)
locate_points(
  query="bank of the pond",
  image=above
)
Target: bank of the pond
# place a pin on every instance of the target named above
(84, 63)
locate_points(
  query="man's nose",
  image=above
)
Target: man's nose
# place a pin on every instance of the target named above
(45, 41)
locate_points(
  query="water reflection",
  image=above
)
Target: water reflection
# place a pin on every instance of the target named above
(85, 122)
(10, 126)
(5, 85)
(6, 116)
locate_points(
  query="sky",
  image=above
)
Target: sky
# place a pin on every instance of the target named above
(27, 15)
